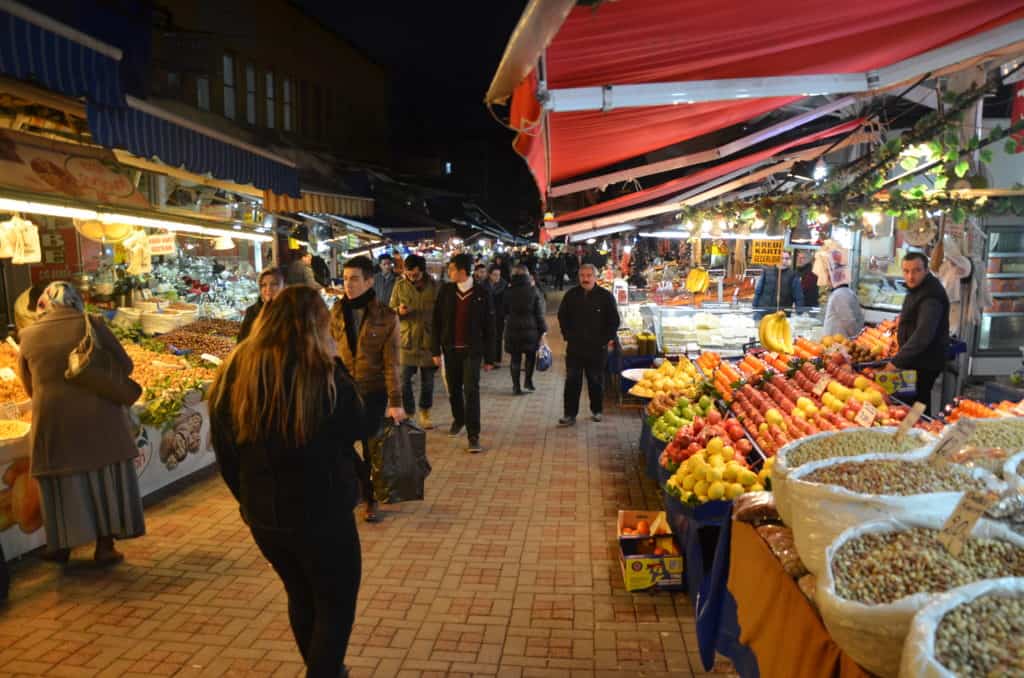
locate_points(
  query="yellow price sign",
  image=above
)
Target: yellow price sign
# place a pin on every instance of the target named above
(766, 252)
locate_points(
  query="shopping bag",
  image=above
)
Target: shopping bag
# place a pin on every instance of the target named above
(544, 358)
(398, 457)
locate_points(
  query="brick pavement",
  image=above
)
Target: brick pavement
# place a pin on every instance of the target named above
(507, 569)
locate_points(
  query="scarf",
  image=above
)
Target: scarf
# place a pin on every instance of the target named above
(465, 286)
(348, 310)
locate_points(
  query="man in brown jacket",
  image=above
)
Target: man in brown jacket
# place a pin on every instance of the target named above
(366, 332)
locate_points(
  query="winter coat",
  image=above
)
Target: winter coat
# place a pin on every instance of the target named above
(73, 429)
(524, 319)
(481, 323)
(384, 286)
(588, 320)
(251, 314)
(417, 326)
(300, 273)
(764, 291)
(375, 365)
(923, 331)
(843, 314)
(497, 291)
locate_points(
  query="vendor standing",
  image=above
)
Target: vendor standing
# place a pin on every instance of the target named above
(923, 332)
(765, 293)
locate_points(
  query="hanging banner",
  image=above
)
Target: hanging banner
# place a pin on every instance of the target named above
(766, 252)
(161, 244)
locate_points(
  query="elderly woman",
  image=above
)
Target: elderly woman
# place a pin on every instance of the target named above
(82, 444)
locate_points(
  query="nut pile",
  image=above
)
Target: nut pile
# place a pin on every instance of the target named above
(1007, 434)
(895, 477)
(153, 369)
(198, 343)
(983, 637)
(879, 568)
(221, 328)
(10, 391)
(849, 444)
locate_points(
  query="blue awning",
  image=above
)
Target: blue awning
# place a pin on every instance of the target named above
(179, 143)
(35, 48)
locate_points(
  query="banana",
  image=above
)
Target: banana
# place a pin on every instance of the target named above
(762, 331)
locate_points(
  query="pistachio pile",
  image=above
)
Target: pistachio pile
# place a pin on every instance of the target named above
(1007, 434)
(849, 444)
(879, 568)
(983, 637)
(895, 477)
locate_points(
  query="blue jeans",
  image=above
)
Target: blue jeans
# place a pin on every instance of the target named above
(426, 388)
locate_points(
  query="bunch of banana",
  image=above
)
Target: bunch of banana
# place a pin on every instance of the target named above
(775, 334)
(697, 281)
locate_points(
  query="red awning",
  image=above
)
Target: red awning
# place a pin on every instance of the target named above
(642, 41)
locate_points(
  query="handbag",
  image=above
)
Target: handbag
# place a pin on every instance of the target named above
(544, 358)
(96, 369)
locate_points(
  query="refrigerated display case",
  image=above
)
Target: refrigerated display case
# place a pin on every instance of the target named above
(1001, 331)
(724, 328)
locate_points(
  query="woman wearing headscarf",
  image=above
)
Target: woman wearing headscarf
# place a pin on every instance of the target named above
(82, 444)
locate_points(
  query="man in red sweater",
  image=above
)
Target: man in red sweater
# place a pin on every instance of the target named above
(464, 334)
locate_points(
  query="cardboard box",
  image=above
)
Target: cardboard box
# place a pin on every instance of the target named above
(641, 569)
(631, 518)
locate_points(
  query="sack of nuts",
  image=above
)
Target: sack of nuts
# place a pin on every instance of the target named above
(1013, 472)
(880, 574)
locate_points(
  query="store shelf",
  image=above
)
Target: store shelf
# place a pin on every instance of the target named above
(1004, 314)
(1005, 275)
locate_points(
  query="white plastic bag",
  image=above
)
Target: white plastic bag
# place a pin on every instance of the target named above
(782, 470)
(819, 513)
(1010, 475)
(27, 249)
(919, 648)
(873, 635)
(8, 238)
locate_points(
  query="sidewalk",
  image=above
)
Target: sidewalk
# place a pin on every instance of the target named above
(508, 568)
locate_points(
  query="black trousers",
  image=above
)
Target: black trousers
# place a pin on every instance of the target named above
(576, 366)
(499, 331)
(462, 372)
(517, 361)
(375, 407)
(925, 381)
(321, 576)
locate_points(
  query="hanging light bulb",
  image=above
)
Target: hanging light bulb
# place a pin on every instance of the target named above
(757, 225)
(872, 218)
(820, 170)
(224, 243)
(823, 218)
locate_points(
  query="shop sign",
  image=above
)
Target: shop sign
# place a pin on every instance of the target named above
(161, 244)
(58, 243)
(766, 252)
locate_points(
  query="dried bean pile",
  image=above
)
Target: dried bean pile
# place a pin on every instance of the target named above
(1007, 434)
(878, 568)
(984, 637)
(198, 343)
(849, 444)
(894, 477)
(221, 328)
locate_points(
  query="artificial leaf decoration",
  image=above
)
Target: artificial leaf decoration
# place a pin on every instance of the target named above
(961, 169)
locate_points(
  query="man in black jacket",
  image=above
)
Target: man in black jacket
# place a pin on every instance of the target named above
(923, 332)
(464, 333)
(589, 320)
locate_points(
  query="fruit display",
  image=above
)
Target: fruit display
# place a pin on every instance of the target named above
(697, 281)
(895, 477)
(20, 498)
(683, 413)
(716, 472)
(643, 527)
(775, 334)
(879, 568)
(708, 361)
(694, 436)
(965, 407)
(850, 443)
(11, 390)
(874, 343)
(676, 379)
(982, 637)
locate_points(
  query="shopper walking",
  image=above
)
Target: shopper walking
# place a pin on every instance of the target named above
(271, 283)
(82, 444)
(525, 327)
(589, 319)
(497, 286)
(413, 299)
(571, 261)
(284, 414)
(385, 279)
(923, 332)
(464, 335)
(765, 292)
(843, 314)
(300, 271)
(366, 332)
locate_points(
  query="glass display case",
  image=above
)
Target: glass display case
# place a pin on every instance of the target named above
(724, 328)
(880, 279)
(1001, 331)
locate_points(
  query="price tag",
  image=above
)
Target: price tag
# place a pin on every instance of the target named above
(13, 344)
(955, 438)
(9, 411)
(866, 415)
(7, 374)
(211, 359)
(957, 528)
(821, 386)
(908, 421)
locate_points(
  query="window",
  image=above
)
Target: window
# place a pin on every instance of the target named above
(270, 100)
(286, 105)
(203, 93)
(229, 86)
(250, 94)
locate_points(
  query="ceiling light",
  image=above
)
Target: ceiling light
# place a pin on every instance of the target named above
(7, 205)
(872, 218)
(179, 226)
(820, 170)
(223, 243)
(591, 241)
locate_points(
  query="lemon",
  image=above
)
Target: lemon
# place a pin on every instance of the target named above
(716, 490)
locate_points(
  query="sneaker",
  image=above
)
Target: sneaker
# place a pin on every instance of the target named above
(424, 419)
(567, 421)
(455, 429)
(474, 446)
(596, 416)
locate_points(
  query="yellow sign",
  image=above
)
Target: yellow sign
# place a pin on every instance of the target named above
(766, 252)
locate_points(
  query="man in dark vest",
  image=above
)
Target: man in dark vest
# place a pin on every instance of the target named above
(924, 326)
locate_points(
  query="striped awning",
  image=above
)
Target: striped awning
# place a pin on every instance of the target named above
(36, 48)
(150, 132)
(315, 202)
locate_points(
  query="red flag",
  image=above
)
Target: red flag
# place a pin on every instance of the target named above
(1018, 113)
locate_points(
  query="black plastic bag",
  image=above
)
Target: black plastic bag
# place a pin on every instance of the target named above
(398, 456)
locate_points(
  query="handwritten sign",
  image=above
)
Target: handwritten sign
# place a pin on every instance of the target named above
(866, 415)
(212, 359)
(908, 421)
(161, 244)
(958, 527)
(955, 438)
(766, 252)
(821, 386)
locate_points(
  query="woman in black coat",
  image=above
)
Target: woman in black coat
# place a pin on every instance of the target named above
(524, 326)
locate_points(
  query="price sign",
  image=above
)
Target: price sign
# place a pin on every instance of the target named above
(821, 386)
(957, 528)
(766, 252)
(7, 374)
(161, 244)
(908, 421)
(955, 438)
(866, 416)
(211, 359)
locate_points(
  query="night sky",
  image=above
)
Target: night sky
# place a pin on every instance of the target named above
(442, 57)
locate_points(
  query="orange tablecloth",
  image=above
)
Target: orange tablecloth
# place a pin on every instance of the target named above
(775, 620)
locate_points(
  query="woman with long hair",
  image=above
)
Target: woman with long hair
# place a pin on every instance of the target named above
(284, 416)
